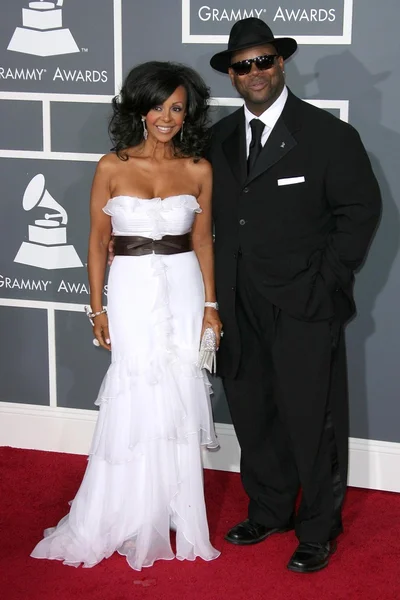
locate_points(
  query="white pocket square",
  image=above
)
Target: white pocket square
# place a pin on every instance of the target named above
(291, 180)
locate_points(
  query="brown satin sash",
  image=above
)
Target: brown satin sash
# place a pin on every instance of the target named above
(136, 245)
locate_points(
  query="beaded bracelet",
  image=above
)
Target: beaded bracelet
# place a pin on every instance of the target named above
(212, 305)
(92, 315)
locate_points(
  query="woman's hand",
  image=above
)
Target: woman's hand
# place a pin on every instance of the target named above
(211, 319)
(100, 331)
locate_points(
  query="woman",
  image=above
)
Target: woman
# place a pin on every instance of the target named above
(144, 475)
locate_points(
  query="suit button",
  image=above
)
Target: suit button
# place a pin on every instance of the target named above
(234, 255)
(242, 222)
(245, 190)
(233, 288)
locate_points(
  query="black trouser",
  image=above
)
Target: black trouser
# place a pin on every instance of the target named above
(291, 372)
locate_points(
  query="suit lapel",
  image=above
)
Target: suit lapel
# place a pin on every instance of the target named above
(281, 139)
(234, 147)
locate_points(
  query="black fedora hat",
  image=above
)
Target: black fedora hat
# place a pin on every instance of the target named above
(246, 34)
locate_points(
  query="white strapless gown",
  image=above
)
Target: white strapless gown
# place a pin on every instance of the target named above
(144, 473)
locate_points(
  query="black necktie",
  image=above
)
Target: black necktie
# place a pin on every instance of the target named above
(257, 128)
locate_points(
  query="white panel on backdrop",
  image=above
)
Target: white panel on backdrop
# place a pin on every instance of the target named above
(209, 22)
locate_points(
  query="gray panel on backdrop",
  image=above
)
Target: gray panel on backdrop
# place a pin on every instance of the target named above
(22, 125)
(219, 404)
(33, 266)
(219, 112)
(80, 127)
(135, 37)
(76, 43)
(24, 367)
(80, 365)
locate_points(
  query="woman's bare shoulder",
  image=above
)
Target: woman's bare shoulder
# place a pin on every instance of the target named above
(108, 162)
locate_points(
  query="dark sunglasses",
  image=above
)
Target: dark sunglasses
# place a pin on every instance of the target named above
(243, 67)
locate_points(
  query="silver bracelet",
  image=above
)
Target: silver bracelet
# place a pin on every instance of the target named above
(91, 315)
(212, 305)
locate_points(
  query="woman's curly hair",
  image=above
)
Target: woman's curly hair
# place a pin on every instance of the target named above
(149, 85)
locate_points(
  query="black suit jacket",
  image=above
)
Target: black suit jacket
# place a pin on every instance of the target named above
(300, 242)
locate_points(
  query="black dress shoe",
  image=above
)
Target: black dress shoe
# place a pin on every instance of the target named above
(310, 557)
(249, 532)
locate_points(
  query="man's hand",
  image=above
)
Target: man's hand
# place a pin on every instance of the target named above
(110, 251)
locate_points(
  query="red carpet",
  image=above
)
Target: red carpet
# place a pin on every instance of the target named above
(36, 487)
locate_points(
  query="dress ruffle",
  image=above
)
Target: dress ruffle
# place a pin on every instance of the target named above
(131, 213)
(129, 402)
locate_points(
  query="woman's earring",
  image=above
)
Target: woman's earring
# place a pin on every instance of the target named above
(145, 132)
(182, 131)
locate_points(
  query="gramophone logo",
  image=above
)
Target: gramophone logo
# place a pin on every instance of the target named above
(42, 32)
(47, 247)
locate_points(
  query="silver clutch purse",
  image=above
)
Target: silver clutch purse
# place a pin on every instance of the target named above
(208, 351)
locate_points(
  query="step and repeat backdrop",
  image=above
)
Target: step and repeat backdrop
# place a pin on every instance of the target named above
(61, 62)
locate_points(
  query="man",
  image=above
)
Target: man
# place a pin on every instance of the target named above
(295, 206)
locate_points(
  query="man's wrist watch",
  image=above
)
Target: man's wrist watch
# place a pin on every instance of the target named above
(212, 305)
